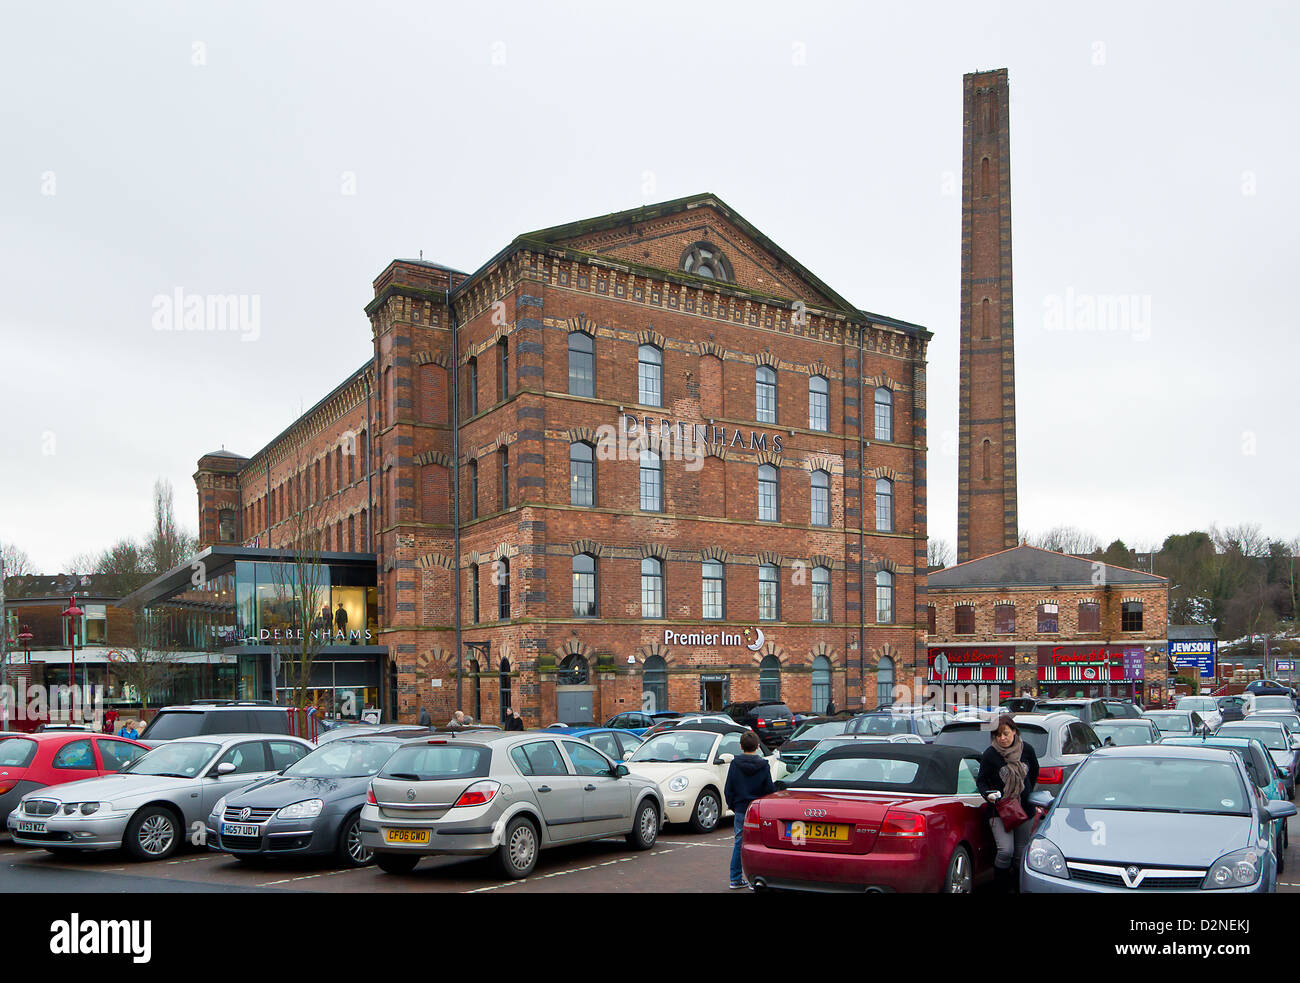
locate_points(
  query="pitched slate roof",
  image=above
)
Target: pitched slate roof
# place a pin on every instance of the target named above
(1029, 566)
(1185, 633)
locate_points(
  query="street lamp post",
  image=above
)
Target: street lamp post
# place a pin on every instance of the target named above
(72, 613)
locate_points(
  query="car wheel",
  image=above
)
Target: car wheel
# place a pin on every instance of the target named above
(517, 854)
(351, 852)
(959, 878)
(707, 812)
(396, 863)
(645, 830)
(152, 834)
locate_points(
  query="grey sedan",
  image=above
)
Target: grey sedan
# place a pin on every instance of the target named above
(1155, 818)
(157, 801)
(508, 794)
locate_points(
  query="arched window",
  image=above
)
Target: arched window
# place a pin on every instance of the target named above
(582, 364)
(502, 573)
(652, 482)
(574, 671)
(503, 368)
(819, 404)
(984, 319)
(476, 682)
(884, 505)
(769, 678)
(821, 683)
(226, 525)
(986, 459)
(504, 687)
(1049, 621)
(503, 462)
(884, 414)
(986, 179)
(471, 385)
(474, 592)
(767, 493)
(821, 594)
(650, 376)
(884, 681)
(769, 593)
(714, 594)
(652, 587)
(703, 259)
(884, 598)
(765, 394)
(473, 489)
(584, 586)
(821, 498)
(654, 685)
(582, 473)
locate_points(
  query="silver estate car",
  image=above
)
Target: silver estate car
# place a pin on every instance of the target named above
(508, 793)
(151, 806)
(1155, 817)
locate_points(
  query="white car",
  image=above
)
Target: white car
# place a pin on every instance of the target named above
(1260, 702)
(690, 764)
(1206, 706)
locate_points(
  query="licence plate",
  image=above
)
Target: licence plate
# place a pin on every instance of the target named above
(29, 827)
(818, 831)
(239, 829)
(406, 835)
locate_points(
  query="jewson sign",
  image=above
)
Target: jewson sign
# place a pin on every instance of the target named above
(1199, 654)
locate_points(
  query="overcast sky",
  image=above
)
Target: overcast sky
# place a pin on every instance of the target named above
(286, 152)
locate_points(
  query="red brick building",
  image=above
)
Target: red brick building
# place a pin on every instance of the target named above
(648, 453)
(1028, 619)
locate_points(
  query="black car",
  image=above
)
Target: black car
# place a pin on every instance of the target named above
(1231, 707)
(1020, 704)
(313, 807)
(771, 720)
(204, 717)
(807, 735)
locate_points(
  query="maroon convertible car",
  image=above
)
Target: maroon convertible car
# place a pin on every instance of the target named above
(878, 817)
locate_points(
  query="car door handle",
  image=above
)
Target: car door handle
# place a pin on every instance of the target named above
(589, 788)
(544, 788)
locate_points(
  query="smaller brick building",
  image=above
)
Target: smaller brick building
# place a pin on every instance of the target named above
(1028, 619)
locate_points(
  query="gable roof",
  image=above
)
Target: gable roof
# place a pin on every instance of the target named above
(1186, 633)
(1030, 566)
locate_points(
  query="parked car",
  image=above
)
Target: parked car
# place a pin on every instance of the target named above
(29, 762)
(806, 736)
(638, 722)
(830, 743)
(1289, 720)
(610, 741)
(1021, 704)
(1263, 771)
(150, 806)
(1267, 685)
(771, 720)
(1176, 819)
(1283, 746)
(1126, 732)
(1231, 707)
(206, 719)
(508, 794)
(1206, 706)
(832, 829)
(925, 724)
(65, 728)
(689, 765)
(313, 807)
(1122, 709)
(1177, 722)
(1260, 702)
(407, 731)
(688, 720)
(1087, 710)
(1061, 741)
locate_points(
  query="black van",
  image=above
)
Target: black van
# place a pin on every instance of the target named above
(198, 719)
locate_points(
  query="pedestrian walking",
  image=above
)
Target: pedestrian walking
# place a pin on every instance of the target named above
(830, 707)
(748, 778)
(1007, 776)
(129, 729)
(425, 719)
(513, 720)
(110, 720)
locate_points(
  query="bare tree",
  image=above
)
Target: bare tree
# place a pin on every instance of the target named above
(149, 662)
(1065, 539)
(938, 553)
(18, 570)
(167, 545)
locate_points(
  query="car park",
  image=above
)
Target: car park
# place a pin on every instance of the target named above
(873, 818)
(1175, 819)
(1177, 722)
(1206, 706)
(313, 807)
(689, 765)
(1283, 746)
(771, 720)
(204, 719)
(150, 805)
(1124, 732)
(925, 723)
(1060, 740)
(29, 762)
(508, 794)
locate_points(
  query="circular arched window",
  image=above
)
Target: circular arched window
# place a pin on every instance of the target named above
(704, 259)
(574, 671)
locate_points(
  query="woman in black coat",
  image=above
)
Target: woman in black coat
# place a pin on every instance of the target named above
(1008, 767)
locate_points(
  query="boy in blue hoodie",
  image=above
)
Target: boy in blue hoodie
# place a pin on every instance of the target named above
(748, 778)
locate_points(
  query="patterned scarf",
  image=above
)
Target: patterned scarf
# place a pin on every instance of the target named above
(1012, 773)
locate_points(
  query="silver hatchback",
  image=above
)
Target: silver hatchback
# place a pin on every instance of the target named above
(505, 793)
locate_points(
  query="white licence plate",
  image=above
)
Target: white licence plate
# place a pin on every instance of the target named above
(25, 826)
(239, 829)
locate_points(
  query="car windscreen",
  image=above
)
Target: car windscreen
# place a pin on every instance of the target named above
(817, 732)
(1197, 703)
(16, 752)
(676, 746)
(438, 762)
(343, 759)
(1073, 709)
(169, 725)
(183, 759)
(1172, 723)
(883, 723)
(1291, 721)
(867, 772)
(1126, 734)
(1157, 784)
(977, 737)
(1273, 738)
(1273, 703)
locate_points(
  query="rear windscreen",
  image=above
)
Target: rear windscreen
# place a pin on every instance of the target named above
(168, 726)
(977, 738)
(438, 762)
(16, 752)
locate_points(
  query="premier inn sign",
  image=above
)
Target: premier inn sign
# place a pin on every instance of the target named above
(750, 638)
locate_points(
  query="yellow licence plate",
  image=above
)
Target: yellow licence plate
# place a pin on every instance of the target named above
(406, 835)
(818, 831)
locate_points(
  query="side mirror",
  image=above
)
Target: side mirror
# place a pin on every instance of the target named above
(724, 759)
(621, 770)
(1041, 799)
(1109, 742)
(1295, 742)
(1279, 809)
(225, 768)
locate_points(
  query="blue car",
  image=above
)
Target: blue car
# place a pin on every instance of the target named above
(1259, 764)
(612, 741)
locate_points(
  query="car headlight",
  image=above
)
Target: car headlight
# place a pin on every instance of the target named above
(220, 808)
(1241, 868)
(1043, 857)
(85, 808)
(307, 809)
(678, 783)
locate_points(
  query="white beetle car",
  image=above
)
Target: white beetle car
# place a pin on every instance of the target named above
(690, 766)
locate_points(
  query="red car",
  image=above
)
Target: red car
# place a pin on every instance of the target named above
(875, 818)
(32, 761)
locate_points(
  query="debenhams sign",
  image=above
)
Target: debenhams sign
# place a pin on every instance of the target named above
(699, 434)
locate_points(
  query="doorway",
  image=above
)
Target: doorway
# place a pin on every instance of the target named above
(715, 692)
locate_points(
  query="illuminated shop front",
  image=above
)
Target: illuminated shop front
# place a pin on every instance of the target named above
(1093, 670)
(968, 670)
